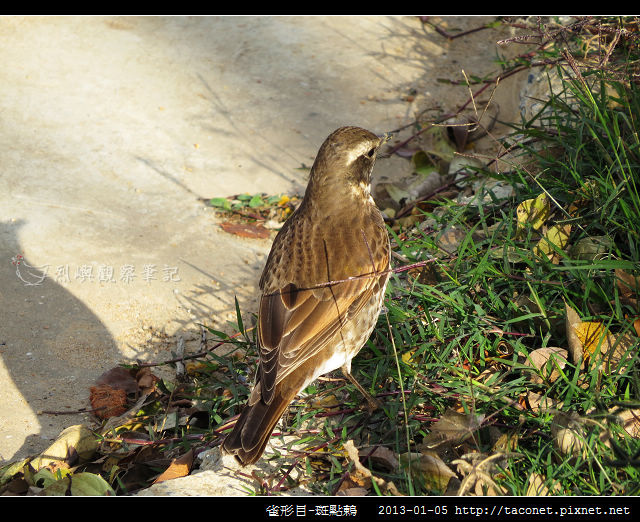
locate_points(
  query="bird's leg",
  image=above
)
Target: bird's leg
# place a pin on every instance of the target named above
(372, 402)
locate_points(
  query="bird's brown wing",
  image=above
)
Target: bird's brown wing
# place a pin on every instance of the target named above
(296, 323)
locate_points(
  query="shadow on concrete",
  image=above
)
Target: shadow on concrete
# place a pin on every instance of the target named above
(65, 339)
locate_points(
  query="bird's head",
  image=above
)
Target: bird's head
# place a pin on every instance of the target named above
(344, 163)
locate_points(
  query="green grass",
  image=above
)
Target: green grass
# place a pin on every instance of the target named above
(459, 336)
(472, 321)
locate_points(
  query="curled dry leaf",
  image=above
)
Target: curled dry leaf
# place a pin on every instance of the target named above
(430, 468)
(146, 380)
(630, 420)
(572, 320)
(468, 127)
(75, 445)
(362, 477)
(540, 359)
(540, 403)
(381, 457)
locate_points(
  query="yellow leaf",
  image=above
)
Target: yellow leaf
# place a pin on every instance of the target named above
(557, 235)
(534, 212)
(74, 445)
(592, 335)
(408, 356)
(283, 200)
(536, 487)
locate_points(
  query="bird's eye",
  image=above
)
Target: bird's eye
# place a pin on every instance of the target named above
(371, 152)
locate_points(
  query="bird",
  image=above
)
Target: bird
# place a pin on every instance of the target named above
(323, 287)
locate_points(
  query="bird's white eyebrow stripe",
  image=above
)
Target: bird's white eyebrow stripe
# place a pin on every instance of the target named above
(356, 152)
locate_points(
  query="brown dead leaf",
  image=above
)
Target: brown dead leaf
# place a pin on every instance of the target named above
(540, 403)
(540, 358)
(631, 422)
(381, 457)
(118, 378)
(107, 401)
(453, 428)
(179, 467)
(572, 320)
(628, 284)
(430, 468)
(362, 477)
(568, 434)
(352, 492)
(506, 442)
(248, 230)
(537, 487)
(146, 380)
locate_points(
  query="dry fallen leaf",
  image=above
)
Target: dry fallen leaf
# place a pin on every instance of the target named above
(629, 287)
(248, 230)
(540, 358)
(609, 349)
(179, 467)
(146, 380)
(452, 427)
(568, 434)
(630, 420)
(74, 445)
(118, 378)
(537, 488)
(540, 403)
(435, 474)
(381, 456)
(572, 320)
(362, 477)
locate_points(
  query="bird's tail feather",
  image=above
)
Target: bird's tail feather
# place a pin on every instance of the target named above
(254, 427)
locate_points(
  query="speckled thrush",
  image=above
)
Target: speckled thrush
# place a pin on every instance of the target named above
(322, 287)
